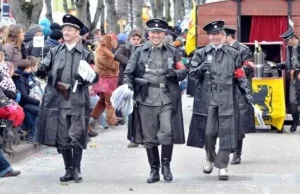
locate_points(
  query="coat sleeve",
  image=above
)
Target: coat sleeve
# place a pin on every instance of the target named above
(25, 98)
(46, 65)
(195, 65)
(247, 59)
(180, 69)
(8, 48)
(120, 55)
(242, 81)
(129, 73)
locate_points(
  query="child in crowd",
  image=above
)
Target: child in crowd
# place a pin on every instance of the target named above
(36, 90)
(29, 104)
(11, 113)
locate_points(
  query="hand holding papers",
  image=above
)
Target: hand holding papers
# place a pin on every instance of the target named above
(122, 99)
(86, 73)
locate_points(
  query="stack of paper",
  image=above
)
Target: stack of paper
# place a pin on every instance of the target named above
(86, 72)
(122, 99)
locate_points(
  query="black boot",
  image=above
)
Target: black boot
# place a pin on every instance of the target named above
(166, 157)
(153, 158)
(295, 122)
(77, 155)
(69, 175)
(237, 153)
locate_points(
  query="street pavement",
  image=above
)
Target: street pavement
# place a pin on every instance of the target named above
(270, 165)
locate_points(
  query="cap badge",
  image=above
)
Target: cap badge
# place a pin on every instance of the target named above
(156, 25)
(215, 26)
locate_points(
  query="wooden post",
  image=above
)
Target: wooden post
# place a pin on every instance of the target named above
(239, 13)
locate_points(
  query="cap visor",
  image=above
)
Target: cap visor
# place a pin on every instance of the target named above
(156, 30)
(215, 31)
(72, 25)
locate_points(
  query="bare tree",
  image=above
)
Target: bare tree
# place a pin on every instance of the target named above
(99, 11)
(111, 16)
(65, 5)
(177, 10)
(157, 8)
(167, 6)
(138, 13)
(188, 4)
(49, 10)
(26, 13)
(81, 6)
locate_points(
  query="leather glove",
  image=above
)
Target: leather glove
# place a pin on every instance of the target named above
(205, 67)
(41, 72)
(171, 73)
(78, 78)
(279, 66)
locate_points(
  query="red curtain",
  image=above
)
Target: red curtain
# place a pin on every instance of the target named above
(268, 28)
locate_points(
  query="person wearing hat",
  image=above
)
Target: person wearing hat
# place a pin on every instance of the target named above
(154, 72)
(246, 117)
(217, 69)
(55, 26)
(54, 39)
(64, 115)
(292, 69)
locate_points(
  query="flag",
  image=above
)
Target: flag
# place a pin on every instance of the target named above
(191, 35)
(268, 95)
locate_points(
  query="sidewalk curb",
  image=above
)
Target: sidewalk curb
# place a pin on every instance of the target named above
(23, 151)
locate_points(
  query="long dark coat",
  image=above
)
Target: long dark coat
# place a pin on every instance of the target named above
(226, 62)
(246, 118)
(136, 68)
(53, 64)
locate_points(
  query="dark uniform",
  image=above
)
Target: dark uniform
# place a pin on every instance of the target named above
(64, 115)
(215, 111)
(153, 73)
(246, 117)
(292, 68)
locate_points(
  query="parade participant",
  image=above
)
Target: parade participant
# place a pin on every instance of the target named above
(64, 116)
(292, 67)
(153, 71)
(218, 71)
(246, 117)
(123, 54)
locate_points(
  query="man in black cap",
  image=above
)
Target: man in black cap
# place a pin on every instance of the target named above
(246, 117)
(153, 72)
(217, 68)
(64, 115)
(292, 69)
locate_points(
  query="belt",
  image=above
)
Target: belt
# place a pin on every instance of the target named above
(161, 85)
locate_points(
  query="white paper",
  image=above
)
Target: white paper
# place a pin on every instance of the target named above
(86, 72)
(38, 41)
(258, 115)
(122, 99)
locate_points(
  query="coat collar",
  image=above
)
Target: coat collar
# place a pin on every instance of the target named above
(78, 47)
(148, 46)
(235, 44)
(208, 48)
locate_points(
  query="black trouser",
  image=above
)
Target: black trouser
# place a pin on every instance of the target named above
(221, 159)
